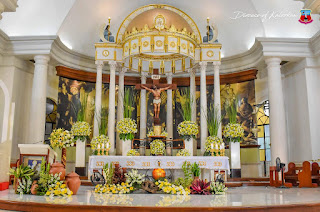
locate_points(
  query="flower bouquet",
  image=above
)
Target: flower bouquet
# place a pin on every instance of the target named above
(61, 138)
(151, 133)
(233, 131)
(81, 130)
(183, 152)
(133, 152)
(188, 129)
(99, 143)
(157, 147)
(212, 142)
(126, 128)
(133, 178)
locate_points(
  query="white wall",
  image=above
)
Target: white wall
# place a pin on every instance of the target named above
(53, 83)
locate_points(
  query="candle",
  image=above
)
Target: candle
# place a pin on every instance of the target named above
(98, 146)
(222, 145)
(102, 146)
(107, 145)
(217, 147)
(211, 146)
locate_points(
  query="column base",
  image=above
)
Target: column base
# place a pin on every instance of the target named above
(235, 173)
(81, 171)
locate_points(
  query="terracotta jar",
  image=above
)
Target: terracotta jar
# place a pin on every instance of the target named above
(34, 187)
(57, 168)
(73, 182)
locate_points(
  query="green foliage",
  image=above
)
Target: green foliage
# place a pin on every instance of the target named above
(108, 171)
(213, 120)
(217, 188)
(187, 180)
(195, 169)
(128, 102)
(22, 172)
(232, 112)
(185, 110)
(102, 118)
(81, 114)
(24, 186)
(44, 178)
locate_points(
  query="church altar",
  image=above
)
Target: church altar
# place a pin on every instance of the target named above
(219, 163)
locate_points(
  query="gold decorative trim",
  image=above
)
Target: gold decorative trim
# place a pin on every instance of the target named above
(105, 53)
(210, 53)
(145, 43)
(159, 43)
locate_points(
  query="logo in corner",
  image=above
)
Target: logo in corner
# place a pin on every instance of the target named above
(305, 17)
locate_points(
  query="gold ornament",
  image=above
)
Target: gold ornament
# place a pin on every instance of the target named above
(159, 43)
(105, 53)
(145, 43)
(210, 53)
(172, 44)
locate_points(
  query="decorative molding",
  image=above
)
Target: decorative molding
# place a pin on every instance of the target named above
(182, 81)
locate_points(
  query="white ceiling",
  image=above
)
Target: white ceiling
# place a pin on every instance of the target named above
(77, 22)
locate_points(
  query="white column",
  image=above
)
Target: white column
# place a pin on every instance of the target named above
(97, 103)
(217, 101)
(120, 105)
(279, 146)
(169, 107)
(143, 108)
(112, 111)
(38, 99)
(203, 105)
(193, 100)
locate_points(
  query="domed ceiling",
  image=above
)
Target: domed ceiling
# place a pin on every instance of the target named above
(239, 22)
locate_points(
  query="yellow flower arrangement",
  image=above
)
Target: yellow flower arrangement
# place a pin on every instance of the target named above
(188, 129)
(157, 147)
(99, 140)
(151, 133)
(133, 152)
(234, 132)
(61, 138)
(169, 188)
(58, 189)
(123, 188)
(183, 152)
(81, 130)
(126, 128)
(212, 140)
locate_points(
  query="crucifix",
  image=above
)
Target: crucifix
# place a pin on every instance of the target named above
(156, 88)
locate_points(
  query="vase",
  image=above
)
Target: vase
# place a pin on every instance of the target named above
(81, 152)
(64, 157)
(126, 146)
(57, 168)
(34, 187)
(188, 144)
(235, 159)
(73, 182)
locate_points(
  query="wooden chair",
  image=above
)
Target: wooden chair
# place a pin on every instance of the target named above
(274, 178)
(315, 175)
(304, 176)
(291, 175)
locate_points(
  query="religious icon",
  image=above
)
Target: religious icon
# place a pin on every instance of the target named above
(305, 17)
(159, 22)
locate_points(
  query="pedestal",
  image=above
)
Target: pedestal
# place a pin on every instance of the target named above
(235, 160)
(81, 157)
(36, 150)
(126, 146)
(189, 145)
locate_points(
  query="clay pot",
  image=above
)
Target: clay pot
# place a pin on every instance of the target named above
(34, 187)
(58, 168)
(73, 182)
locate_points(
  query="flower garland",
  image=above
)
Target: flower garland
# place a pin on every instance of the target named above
(61, 138)
(151, 133)
(126, 128)
(81, 130)
(212, 141)
(188, 129)
(157, 147)
(123, 188)
(169, 188)
(133, 152)
(183, 152)
(100, 140)
(233, 131)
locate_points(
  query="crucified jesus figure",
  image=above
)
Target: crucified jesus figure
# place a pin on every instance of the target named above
(156, 97)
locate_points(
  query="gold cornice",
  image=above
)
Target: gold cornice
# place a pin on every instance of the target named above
(106, 45)
(210, 45)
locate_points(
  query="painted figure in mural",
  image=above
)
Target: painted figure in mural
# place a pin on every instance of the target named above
(156, 98)
(63, 113)
(227, 96)
(244, 117)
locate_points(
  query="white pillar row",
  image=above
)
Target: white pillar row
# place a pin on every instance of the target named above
(143, 107)
(193, 100)
(112, 105)
(203, 105)
(279, 146)
(97, 103)
(169, 108)
(120, 105)
(38, 99)
(217, 100)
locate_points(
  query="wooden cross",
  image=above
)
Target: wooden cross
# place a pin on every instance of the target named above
(154, 87)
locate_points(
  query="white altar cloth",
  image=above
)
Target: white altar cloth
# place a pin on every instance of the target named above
(166, 162)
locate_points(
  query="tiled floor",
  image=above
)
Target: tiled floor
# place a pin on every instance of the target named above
(241, 196)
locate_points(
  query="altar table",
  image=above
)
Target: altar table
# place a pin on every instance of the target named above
(219, 163)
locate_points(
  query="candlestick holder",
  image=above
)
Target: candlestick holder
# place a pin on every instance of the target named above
(98, 150)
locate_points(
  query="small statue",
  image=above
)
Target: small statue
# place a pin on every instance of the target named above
(213, 34)
(105, 34)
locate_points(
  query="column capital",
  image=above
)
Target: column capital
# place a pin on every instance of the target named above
(113, 65)
(203, 66)
(123, 70)
(99, 64)
(42, 59)
(143, 77)
(216, 63)
(169, 78)
(273, 62)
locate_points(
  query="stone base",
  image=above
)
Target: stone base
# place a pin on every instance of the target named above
(235, 173)
(81, 171)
